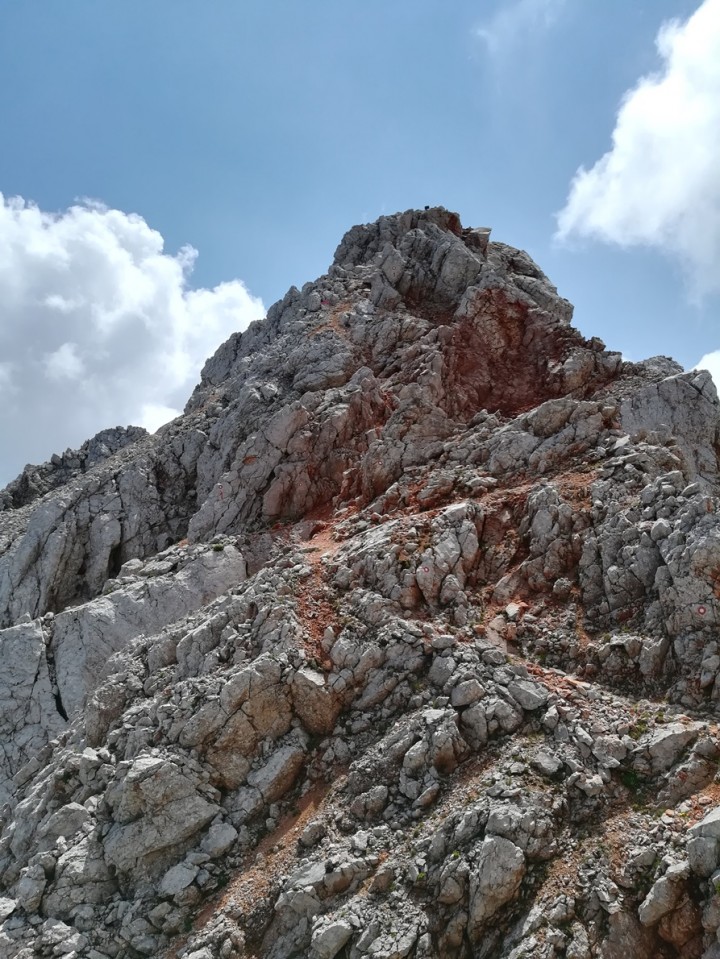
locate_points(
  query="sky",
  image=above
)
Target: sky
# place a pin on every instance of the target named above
(169, 169)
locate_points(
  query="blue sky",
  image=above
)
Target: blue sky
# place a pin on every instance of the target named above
(258, 132)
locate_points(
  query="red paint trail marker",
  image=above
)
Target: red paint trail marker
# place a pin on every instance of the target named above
(701, 610)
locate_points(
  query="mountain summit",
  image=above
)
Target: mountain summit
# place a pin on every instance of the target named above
(400, 642)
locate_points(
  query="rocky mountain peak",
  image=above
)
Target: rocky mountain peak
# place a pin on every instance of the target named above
(421, 263)
(400, 642)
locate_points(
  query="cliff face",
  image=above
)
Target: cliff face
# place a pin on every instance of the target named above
(401, 641)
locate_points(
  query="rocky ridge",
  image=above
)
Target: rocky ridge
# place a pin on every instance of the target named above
(400, 642)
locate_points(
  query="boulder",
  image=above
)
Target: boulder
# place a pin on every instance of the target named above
(494, 881)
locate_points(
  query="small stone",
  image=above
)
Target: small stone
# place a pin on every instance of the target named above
(444, 641)
(7, 907)
(329, 940)
(177, 878)
(466, 693)
(218, 839)
(546, 763)
(529, 695)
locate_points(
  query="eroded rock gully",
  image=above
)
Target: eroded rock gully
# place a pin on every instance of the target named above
(400, 642)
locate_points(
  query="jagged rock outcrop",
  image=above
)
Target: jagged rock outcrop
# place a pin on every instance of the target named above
(401, 641)
(36, 481)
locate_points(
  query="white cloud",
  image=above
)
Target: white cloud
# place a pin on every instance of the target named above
(711, 362)
(98, 327)
(659, 184)
(517, 22)
(64, 363)
(154, 415)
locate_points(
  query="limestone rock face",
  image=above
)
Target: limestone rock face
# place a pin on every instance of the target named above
(35, 481)
(156, 808)
(85, 637)
(29, 715)
(400, 642)
(499, 872)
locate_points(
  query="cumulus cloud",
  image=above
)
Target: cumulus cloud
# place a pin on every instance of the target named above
(64, 363)
(517, 22)
(659, 184)
(98, 327)
(711, 362)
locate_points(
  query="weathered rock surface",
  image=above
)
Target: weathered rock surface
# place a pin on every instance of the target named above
(400, 642)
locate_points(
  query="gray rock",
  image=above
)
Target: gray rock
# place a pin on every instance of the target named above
(280, 628)
(30, 888)
(546, 763)
(7, 907)
(466, 693)
(703, 855)
(81, 876)
(29, 717)
(330, 939)
(65, 822)
(666, 745)
(495, 880)
(157, 810)
(218, 839)
(664, 896)
(679, 405)
(317, 705)
(177, 878)
(275, 778)
(708, 827)
(85, 638)
(530, 695)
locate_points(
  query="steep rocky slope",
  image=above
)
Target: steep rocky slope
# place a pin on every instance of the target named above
(400, 642)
